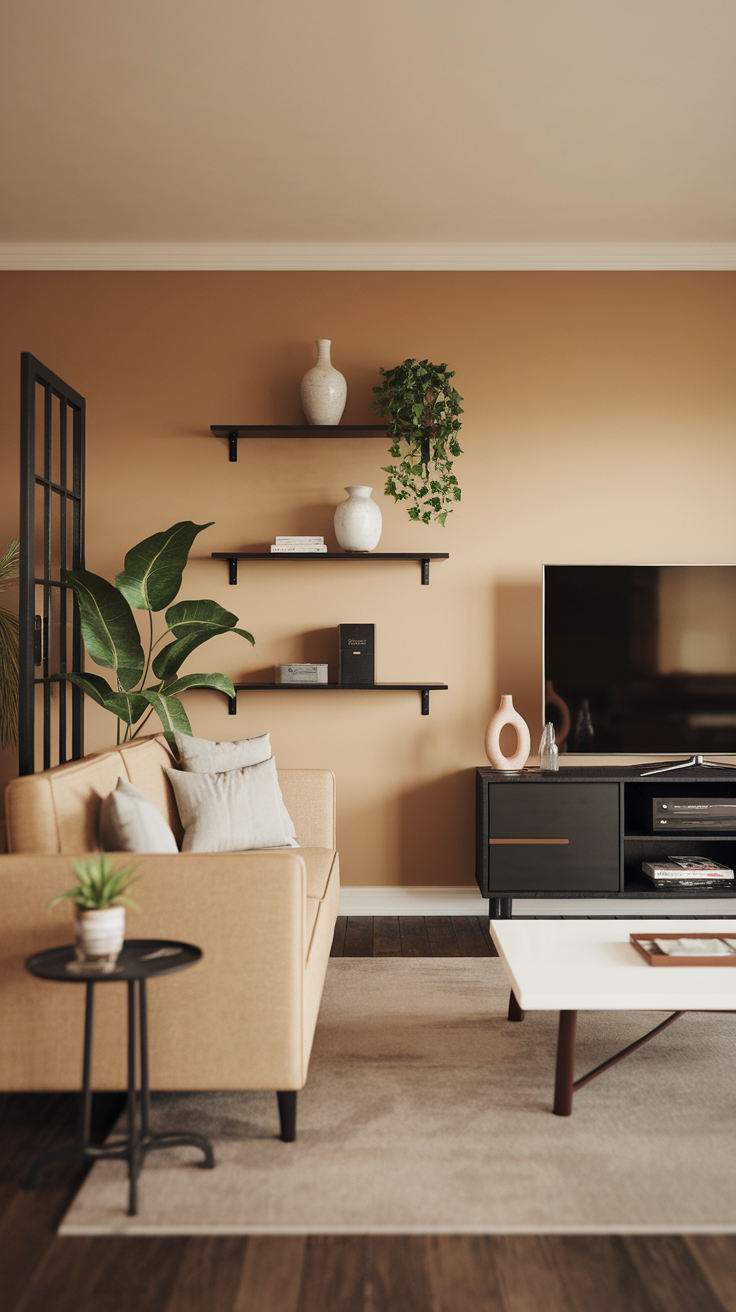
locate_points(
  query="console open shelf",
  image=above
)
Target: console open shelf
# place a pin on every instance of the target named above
(235, 431)
(424, 557)
(424, 688)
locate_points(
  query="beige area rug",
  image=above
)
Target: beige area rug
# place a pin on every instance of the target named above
(426, 1111)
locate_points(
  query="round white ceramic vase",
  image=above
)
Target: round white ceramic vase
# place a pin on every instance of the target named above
(358, 521)
(99, 937)
(507, 715)
(324, 390)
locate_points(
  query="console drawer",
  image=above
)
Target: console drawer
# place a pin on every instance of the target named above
(553, 837)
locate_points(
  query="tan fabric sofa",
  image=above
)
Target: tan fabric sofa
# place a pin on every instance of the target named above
(243, 1018)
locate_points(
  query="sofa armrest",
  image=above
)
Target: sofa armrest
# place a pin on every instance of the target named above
(234, 1021)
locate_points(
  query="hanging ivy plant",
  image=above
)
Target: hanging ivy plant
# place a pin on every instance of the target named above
(423, 408)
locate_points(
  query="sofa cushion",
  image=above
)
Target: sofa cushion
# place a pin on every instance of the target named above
(129, 822)
(231, 810)
(206, 757)
(145, 764)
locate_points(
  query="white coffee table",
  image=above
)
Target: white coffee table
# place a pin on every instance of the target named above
(590, 965)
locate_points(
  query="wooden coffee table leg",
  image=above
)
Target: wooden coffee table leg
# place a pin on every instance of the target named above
(515, 1011)
(565, 1073)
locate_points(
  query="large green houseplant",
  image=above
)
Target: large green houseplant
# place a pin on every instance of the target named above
(423, 408)
(150, 581)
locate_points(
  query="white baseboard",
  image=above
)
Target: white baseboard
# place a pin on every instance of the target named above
(407, 901)
(373, 900)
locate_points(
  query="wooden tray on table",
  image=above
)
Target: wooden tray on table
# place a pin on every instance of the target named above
(645, 945)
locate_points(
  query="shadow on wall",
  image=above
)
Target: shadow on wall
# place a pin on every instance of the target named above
(319, 647)
(437, 831)
(517, 627)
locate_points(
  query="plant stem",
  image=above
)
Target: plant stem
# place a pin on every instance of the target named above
(140, 726)
(150, 648)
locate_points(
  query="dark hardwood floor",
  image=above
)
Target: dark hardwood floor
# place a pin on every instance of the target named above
(313, 1273)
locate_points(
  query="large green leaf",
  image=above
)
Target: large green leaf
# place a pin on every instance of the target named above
(191, 616)
(171, 658)
(129, 707)
(219, 682)
(170, 712)
(192, 623)
(108, 626)
(153, 570)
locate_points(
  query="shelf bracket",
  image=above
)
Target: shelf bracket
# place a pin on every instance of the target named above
(233, 568)
(425, 570)
(232, 705)
(425, 701)
(233, 440)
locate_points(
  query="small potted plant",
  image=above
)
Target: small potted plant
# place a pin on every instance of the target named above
(99, 907)
(422, 408)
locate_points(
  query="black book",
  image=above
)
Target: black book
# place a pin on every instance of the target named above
(357, 657)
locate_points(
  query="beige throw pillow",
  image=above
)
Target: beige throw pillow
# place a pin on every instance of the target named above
(204, 757)
(231, 810)
(129, 822)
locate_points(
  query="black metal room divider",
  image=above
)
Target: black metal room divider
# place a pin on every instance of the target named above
(52, 423)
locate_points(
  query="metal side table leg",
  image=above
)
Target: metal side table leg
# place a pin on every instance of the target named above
(565, 1073)
(133, 1149)
(151, 1139)
(80, 1146)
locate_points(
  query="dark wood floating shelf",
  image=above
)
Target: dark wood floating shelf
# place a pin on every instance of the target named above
(424, 557)
(233, 431)
(424, 688)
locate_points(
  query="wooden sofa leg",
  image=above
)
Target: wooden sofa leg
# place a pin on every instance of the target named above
(287, 1115)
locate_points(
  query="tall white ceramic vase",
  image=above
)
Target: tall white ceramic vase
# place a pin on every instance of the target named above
(507, 715)
(324, 390)
(358, 521)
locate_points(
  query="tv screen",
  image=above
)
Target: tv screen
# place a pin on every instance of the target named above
(641, 658)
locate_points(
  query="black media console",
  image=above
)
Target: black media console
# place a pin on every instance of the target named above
(584, 832)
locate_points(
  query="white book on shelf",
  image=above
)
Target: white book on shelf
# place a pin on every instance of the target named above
(303, 551)
(297, 541)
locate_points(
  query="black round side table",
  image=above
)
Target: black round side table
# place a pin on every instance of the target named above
(140, 960)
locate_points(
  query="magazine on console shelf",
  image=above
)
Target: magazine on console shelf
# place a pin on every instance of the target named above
(687, 872)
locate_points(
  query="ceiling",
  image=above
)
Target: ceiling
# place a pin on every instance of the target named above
(388, 121)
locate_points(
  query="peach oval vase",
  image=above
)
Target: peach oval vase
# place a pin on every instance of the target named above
(507, 715)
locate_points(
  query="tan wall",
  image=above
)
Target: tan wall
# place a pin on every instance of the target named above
(600, 416)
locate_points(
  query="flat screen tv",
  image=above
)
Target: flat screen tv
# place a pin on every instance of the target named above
(641, 659)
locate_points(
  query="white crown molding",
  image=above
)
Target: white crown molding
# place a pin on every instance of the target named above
(418, 256)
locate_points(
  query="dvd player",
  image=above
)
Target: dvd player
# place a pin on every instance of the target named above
(684, 813)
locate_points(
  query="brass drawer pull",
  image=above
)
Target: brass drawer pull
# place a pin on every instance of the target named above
(525, 842)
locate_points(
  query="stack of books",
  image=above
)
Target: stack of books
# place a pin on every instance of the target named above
(300, 546)
(687, 872)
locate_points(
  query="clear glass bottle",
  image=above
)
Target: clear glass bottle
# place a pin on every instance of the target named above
(548, 753)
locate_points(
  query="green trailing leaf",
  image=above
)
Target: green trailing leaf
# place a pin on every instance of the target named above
(153, 569)
(108, 626)
(423, 409)
(170, 712)
(219, 682)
